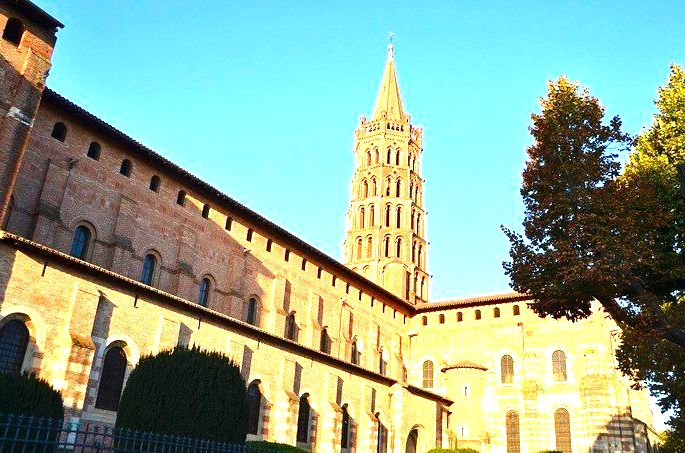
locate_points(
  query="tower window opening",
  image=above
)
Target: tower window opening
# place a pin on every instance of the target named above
(496, 312)
(126, 167)
(368, 157)
(460, 316)
(398, 219)
(398, 187)
(361, 217)
(386, 247)
(359, 248)
(388, 156)
(365, 188)
(59, 132)
(248, 236)
(397, 157)
(369, 247)
(14, 31)
(372, 215)
(478, 314)
(388, 185)
(304, 264)
(387, 215)
(181, 198)
(374, 187)
(94, 151)
(516, 310)
(286, 255)
(155, 182)
(205, 211)
(442, 318)
(269, 242)
(229, 224)
(376, 156)
(398, 248)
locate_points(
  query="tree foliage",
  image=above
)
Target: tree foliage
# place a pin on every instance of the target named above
(186, 392)
(28, 395)
(595, 232)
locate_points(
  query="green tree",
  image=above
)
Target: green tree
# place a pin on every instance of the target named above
(28, 395)
(186, 392)
(593, 232)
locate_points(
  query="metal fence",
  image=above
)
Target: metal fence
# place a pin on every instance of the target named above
(21, 434)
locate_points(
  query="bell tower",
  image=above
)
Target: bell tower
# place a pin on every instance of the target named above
(385, 238)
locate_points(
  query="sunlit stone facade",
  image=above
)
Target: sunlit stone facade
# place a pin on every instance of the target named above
(109, 252)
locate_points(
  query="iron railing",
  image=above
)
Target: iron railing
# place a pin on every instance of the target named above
(25, 434)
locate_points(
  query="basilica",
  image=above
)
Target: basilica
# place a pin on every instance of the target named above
(109, 251)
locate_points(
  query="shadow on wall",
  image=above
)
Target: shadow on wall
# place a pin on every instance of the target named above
(625, 434)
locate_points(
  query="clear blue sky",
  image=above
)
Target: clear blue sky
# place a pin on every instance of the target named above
(262, 99)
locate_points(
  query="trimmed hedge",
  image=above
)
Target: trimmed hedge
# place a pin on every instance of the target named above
(28, 395)
(186, 392)
(259, 446)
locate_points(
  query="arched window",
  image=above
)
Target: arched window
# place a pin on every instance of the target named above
(355, 353)
(365, 188)
(386, 246)
(428, 374)
(155, 183)
(126, 167)
(387, 215)
(559, 366)
(248, 235)
(460, 316)
(286, 255)
(507, 369)
(495, 312)
(388, 156)
(424, 320)
(361, 217)
(291, 327)
(398, 217)
(14, 31)
(418, 224)
(254, 406)
(181, 200)
(368, 157)
(478, 314)
(359, 248)
(398, 187)
(382, 363)
(325, 343)
(513, 432)
(517, 310)
(374, 187)
(376, 156)
(252, 311)
(80, 243)
(398, 248)
(304, 264)
(14, 339)
(388, 186)
(397, 157)
(149, 264)
(94, 151)
(442, 318)
(303, 419)
(203, 295)
(421, 292)
(413, 254)
(372, 216)
(345, 428)
(369, 247)
(562, 430)
(59, 132)
(205, 211)
(419, 257)
(111, 379)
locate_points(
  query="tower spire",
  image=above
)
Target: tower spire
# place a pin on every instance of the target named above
(389, 102)
(386, 230)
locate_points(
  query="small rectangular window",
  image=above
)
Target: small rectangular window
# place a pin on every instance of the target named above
(229, 223)
(249, 235)
(286, 255)
(268, 245)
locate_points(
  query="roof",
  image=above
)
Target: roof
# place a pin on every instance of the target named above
(36, 14)
(474, 301)
(464, 364)
(389, 101)
(212, 193)
(205, 313)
